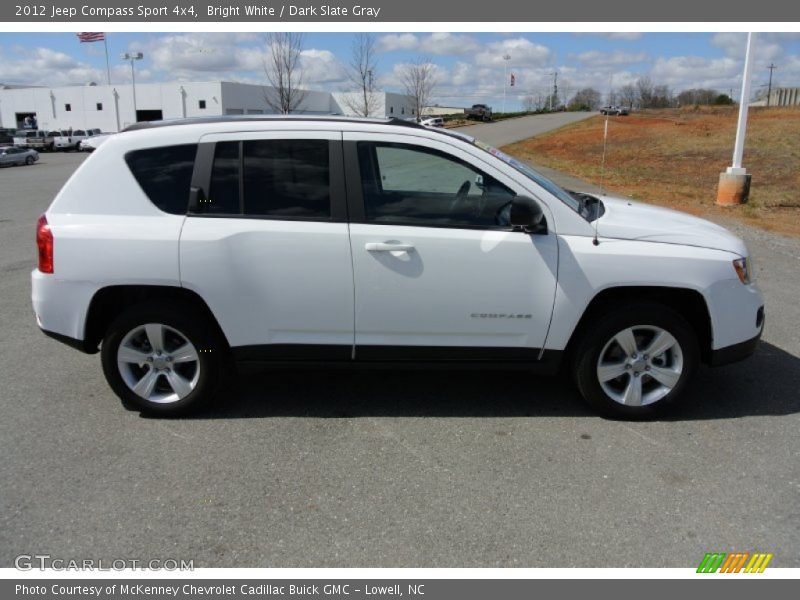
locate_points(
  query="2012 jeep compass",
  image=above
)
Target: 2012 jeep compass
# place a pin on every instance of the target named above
(179, 245)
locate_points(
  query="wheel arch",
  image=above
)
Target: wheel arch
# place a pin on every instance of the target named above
(689, 303)
(109, 302)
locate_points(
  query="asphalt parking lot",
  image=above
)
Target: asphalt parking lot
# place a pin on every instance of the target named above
(390, 468)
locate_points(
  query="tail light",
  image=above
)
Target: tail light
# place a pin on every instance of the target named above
(44, 241)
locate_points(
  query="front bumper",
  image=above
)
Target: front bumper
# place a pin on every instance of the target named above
(740, 351)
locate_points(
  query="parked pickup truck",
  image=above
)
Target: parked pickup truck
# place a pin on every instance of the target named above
(479, 111)
(69, 140)
(37, 140)
(614, 110)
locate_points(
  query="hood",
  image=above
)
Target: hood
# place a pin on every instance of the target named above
(630, 220)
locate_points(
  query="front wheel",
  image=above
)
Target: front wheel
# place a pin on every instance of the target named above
(636, 360)
(162, 361)
(29, 160)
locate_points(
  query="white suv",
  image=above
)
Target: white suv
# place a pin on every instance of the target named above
(177, 246)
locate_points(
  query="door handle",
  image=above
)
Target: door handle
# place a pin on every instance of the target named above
(387, 247)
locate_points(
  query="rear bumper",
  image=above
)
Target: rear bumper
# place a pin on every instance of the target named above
(70, 341)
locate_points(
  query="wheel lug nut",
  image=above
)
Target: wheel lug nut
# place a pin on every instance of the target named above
(647, 368)
(635, 374)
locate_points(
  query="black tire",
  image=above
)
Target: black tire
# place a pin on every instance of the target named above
(212, 356)
(29, 160)
(604, 328)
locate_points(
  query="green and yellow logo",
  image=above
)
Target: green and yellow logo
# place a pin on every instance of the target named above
(735, 562)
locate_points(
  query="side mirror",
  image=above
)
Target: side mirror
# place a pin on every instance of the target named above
(527, 215)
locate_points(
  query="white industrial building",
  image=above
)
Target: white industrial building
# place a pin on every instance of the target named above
(111, 107)
(784, 96)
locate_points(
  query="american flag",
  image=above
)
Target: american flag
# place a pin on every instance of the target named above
(91, 36)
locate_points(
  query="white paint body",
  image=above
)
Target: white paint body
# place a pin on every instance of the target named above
(294, 282)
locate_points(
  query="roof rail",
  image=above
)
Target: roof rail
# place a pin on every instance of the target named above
(261, 118)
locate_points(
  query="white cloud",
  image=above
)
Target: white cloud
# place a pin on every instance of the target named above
(684, 72)
(522, 51)
(625, 36)
(321, 67)
(440, 43)
(766, 46)
(43, 66)
(595, 58)
(398, 41)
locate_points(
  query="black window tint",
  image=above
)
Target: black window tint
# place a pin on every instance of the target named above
(223, 194)
(287, 178)
(414, 185)
(165, 175)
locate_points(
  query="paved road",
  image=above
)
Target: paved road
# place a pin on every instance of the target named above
(513, 130)
(327, 468)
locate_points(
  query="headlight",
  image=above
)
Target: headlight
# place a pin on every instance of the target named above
(744, 269)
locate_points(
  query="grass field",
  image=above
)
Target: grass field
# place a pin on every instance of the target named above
(673, 157)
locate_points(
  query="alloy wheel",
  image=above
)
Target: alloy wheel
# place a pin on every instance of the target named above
(640, 365)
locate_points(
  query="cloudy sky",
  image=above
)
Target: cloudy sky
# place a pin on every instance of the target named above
(470, 66)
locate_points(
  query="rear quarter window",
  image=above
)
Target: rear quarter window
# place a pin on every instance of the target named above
(165, 175)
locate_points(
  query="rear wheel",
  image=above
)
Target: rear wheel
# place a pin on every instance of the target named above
(636, 360)
(162, 361)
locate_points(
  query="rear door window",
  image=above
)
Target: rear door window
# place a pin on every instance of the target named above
(164, 174)
(287, 178)
(279, 179)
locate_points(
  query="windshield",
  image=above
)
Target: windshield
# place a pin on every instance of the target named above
(533, 175)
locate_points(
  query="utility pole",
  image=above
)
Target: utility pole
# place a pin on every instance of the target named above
(506, 58)
(771, 68)
(555, 86)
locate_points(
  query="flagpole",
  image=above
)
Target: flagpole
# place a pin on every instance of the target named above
(108, 67)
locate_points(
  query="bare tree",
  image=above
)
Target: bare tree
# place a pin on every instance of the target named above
(697, 96)
(662, 97)
(419, 80)
(282, 68)
(628, 95)
(585, 99)
(364, 102)
(529, 103)
(644, 87)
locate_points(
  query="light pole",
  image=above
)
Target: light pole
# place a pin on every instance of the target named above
(133, 56)
(506, 58)
(734, 183)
